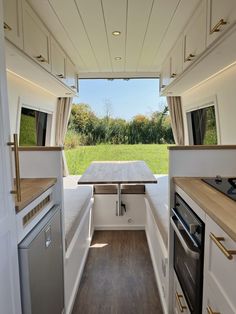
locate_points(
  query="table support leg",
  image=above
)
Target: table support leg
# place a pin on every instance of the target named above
(119, 209)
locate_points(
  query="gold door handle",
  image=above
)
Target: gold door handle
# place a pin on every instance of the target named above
(217, 27)
(17, 167)
(61, 76)
(41, 58)
(173, 75)
(189, 57)
(180, 305)
(163, 86)
(210, 311)
(7, 27)
(217, 240)
(73, 86)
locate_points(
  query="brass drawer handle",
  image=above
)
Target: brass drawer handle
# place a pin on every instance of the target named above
(217, 240)
(7, 27)
(180, 305)
(41, 58)
(189, 57)
(210, 311)
(61, 76)
(173, 75)
(216, 28)
(17, 167)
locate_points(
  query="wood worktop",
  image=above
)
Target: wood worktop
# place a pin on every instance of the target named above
(219, 207)
(40, 148)
(31, 189)
(200, 147)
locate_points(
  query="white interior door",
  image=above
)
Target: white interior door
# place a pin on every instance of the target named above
(9, 273)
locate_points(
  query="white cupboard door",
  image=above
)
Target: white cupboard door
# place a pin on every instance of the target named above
(195, 36)
(219, 268)
(221, 15)
(36, 37)
(176, 64)
(165, 74)
(58, 60)
(71, 77)
(9, 272)
(13, 21)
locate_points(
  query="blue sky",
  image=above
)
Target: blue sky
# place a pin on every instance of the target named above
(124, 99)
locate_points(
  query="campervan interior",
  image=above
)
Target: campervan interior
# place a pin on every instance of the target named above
(118, 239)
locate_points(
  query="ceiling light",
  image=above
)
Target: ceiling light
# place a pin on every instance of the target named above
(116, 33)
(118, 58)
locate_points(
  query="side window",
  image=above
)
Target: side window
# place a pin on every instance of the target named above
(34, 126)
(202, 126)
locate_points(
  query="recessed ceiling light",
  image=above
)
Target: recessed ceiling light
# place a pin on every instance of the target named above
(116, 33)
(118, 58)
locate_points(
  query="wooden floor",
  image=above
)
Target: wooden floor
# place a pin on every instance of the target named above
(118, 277)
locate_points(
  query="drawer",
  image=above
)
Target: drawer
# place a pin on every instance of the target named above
(220, 266)
(179, 302)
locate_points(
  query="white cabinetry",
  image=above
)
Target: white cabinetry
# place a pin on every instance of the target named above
(58, 60)
(36, 37)
(165, 74)
(219, 295)
(13, 21)
(195, 36)
(220, 15)
(179, 302)
(176, 64)
(71, 75)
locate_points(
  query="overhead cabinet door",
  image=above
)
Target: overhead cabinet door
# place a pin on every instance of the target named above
(71, 77)
(195, 36)
(13, 21)
(58, 60)
(221, 14)
(36, 38)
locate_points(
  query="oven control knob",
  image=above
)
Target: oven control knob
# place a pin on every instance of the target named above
(193, 228)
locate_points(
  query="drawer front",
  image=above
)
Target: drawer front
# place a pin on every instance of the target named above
(220, 270)
(179, 302)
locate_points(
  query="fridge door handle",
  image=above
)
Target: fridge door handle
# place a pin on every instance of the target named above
(48, 236)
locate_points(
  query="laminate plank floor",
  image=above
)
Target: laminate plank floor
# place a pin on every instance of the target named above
(118, 277)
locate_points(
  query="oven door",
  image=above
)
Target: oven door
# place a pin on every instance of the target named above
(188, 265)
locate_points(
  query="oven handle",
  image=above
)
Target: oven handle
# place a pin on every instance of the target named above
(184, 227)
(193, 254)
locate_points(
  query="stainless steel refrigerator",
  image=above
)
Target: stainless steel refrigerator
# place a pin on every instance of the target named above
(41, 267)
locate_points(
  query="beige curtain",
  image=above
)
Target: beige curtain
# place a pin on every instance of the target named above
(175, 108)
(62, 118)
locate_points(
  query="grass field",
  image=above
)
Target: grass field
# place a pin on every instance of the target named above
(156, 156)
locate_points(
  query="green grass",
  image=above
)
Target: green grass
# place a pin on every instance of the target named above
(27, 131)
(155, 155)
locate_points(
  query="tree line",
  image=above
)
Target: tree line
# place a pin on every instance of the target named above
(86, 128)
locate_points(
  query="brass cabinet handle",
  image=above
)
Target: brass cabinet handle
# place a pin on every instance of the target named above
(73, 86)
(216, 28)
(41, 58)
(217, 240)
(17, 167)
(180, 305)
(210, 311)
(7, 27)
(173, 75)
(61, 75)
(189, 57)
(163, 86)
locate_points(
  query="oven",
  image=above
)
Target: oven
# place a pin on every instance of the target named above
(188, 252)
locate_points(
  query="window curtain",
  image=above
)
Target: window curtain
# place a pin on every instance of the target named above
(62, 119)
(176, 115)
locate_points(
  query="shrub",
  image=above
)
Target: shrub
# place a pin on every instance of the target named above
(72, 139)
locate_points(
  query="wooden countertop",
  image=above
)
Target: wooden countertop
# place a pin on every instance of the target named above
(200, 147)
(41, 148)
(216, 205)
(31, 189)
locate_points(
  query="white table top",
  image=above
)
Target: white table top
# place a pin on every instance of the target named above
(117, 172)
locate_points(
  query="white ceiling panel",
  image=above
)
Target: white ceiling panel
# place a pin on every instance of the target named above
(91, 13)
(161, 16)
(115, 13)
(149, 29)
(137, 23)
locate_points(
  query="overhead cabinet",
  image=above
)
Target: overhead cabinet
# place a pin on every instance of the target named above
(58, 61)
(71, 75)
(195, 36)
(176, 64)
(13, 21)
(221, 14)
(165, 74)
(36, 38)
